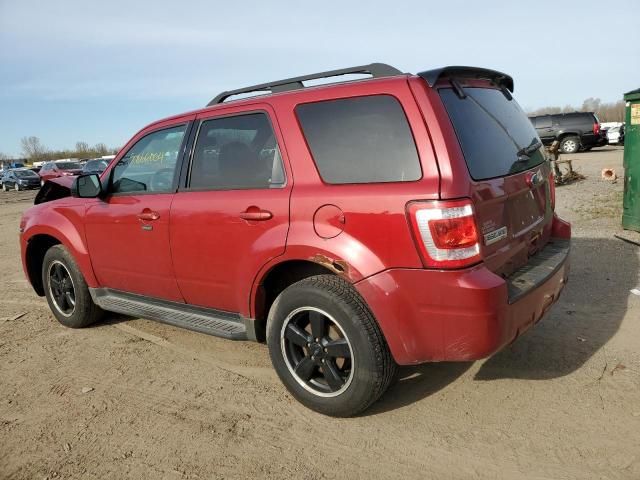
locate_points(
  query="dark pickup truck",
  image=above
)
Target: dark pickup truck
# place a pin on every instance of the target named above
(577, 131)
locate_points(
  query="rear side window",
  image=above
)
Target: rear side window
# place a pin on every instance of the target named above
(492, 131)
(360, 140)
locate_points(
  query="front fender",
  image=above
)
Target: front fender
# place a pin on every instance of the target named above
(63, 222)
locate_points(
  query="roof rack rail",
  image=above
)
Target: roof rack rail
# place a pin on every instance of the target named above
(432, 76)
(376, 70)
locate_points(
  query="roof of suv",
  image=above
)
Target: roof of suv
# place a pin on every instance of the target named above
(375, 70)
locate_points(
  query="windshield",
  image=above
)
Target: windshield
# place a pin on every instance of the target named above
(68, 165)
(495, 135)
(25, 173)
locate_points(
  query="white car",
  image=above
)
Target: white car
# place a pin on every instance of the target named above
(613, 135)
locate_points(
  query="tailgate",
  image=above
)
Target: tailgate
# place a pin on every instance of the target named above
(510, 186)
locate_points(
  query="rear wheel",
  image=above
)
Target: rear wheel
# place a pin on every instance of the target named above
(66, 291)
(327, 348)
(570, 145)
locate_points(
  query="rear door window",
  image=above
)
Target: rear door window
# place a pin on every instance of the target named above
(492, 130)
(360, 140)
(236, 152)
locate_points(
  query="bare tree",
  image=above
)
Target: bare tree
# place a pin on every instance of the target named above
(101, 149)
(82, 148)
(4, 156)
(32, 148)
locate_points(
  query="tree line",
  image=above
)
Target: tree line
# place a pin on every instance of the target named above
(35, 151)
(606, 112)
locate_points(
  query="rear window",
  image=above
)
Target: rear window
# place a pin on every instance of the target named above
(492, 130)
(360, 140)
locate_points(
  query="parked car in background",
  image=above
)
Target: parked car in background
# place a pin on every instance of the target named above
(615, 135)
(96, 165)
(577, 131)
(20, 179)
(59, 168)
(395, 245)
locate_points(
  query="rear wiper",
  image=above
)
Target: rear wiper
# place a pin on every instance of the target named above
(531, 148)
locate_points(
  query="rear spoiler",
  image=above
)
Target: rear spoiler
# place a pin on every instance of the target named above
(501, 79)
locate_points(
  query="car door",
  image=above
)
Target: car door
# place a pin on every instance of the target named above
(232, 214)
(128, 230)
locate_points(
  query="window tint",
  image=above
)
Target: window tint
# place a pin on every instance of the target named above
(542, 122)
(150, 164)
(236, 153)
(492, 130)
(360, 140)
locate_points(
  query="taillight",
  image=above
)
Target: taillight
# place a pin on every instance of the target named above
(445, 233)
(596, 129)
(552, 190)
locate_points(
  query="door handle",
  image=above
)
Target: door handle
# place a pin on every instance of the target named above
(256, 214)
(148, 215)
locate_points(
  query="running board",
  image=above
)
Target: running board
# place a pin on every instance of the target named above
(199, 319)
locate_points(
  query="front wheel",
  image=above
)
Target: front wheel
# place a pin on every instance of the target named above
(4, 187)
(16, 187)
(66, 290)
(327, 348)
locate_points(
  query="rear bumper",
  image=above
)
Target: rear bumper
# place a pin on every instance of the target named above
(429, 315)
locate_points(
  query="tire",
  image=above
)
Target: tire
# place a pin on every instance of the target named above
(42, 183)
(77, 310)
(355, 354)
(16, 187)
(4, 187)
(570, 144)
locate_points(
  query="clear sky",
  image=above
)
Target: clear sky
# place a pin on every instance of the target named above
(98, 71)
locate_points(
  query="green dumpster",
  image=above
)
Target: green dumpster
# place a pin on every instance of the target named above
(631, 202)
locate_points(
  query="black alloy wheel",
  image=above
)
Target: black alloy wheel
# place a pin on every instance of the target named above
(317, 351)
(62, 289)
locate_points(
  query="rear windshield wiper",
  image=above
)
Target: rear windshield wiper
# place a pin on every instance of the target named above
(531, 148)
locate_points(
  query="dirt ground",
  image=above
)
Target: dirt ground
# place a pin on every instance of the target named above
(563, 402)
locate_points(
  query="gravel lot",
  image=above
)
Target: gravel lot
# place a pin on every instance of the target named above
(562, 402)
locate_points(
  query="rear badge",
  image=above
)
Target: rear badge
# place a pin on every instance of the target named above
(495, 236)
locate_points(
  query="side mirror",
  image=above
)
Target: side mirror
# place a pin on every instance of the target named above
(86, 186)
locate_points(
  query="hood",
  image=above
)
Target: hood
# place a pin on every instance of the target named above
(54, 189)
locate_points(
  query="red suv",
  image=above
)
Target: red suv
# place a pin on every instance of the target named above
(354, 226)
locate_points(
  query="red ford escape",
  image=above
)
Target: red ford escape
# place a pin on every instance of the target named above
(353, 226)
